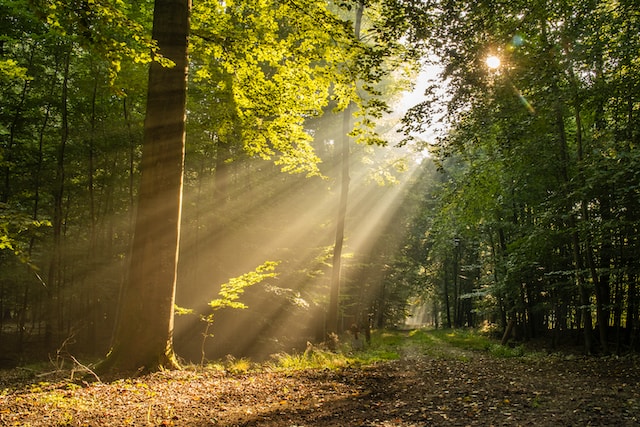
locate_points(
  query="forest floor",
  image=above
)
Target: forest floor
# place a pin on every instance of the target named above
(439, 384)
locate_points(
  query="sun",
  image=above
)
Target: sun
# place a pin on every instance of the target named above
(492, 62)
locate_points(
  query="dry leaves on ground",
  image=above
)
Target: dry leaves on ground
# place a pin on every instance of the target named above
(417, 390)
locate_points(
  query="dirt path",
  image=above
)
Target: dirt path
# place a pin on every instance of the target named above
(446, 387)
(462, 388)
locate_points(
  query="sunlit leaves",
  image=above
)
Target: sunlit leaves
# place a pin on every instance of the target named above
(231, 291)
(181, 311)
(16, 228)
(10, 70)
(113, 29)
(276, 62)
(282, 63)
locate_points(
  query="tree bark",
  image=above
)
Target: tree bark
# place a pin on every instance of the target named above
(54, 281)
(131, 160)
(602, 287)
(446, 297)
(143, 338)
(334, 296)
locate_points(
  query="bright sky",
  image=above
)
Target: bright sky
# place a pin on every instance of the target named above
(427, 77)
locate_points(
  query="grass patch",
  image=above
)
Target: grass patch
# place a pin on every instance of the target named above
(456, 343)
(503, 351)
(466, 339)
(238, 366)
(391, 339)
(384, 347)
(312, 358)
(424, 337)
(446, 344)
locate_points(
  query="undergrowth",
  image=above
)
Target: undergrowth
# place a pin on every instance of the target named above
(464, 339)
(388, 345)
(383, 347)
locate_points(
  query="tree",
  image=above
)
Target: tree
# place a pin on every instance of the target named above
(333, 311)
(102, 94)
(525, 159)
(144, 332)
(360, 94)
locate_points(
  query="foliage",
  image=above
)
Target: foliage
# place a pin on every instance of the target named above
(527, 190)
(109, 29)
(230, 292)
(74, 76)
(16, 229)
(271, 75)
(385, 346)
(532, 215)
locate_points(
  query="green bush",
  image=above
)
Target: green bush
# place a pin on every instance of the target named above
(503, 351)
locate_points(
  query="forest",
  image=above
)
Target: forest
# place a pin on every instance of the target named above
(184, 182)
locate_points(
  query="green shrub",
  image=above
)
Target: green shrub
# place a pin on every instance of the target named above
(467, 339)
(503, 351)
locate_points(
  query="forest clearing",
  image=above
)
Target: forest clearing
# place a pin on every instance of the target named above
(409, 378)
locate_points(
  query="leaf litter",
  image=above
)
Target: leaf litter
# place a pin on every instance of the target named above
(416, 390)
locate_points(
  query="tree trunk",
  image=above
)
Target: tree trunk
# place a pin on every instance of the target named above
(456, 284)
(90, 288)
(446, 297)
(632, 310)
(52, 328)
(143, 337)
(13, 130)
(131, 159)
(334, 297)
(602, 290)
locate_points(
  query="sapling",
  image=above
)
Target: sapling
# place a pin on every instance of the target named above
(229, 295)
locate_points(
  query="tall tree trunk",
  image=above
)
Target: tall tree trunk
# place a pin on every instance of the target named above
(633, 309)
(131, 160)
(334, 296)
(144, 332)
(55, 265)
(91, 309)
(602, 288)
(447, 301)
(630, 251)
(456, 284)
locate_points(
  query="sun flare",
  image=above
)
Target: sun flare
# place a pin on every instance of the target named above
(493, 62)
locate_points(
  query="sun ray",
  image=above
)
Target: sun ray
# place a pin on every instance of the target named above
(275, 218)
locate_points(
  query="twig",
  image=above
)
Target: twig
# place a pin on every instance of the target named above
(85, 367)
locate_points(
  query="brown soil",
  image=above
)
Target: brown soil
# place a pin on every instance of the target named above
(451, 388)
